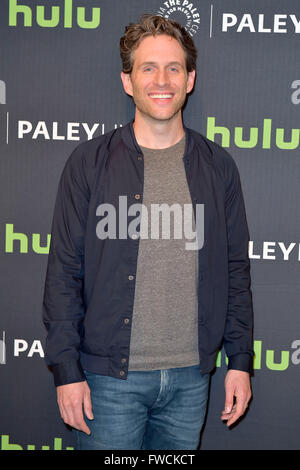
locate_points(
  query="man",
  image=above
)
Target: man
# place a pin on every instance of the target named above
(134, 323)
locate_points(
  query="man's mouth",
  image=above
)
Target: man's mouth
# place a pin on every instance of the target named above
(161, 96)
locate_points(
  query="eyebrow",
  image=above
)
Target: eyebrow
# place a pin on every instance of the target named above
(168, 64)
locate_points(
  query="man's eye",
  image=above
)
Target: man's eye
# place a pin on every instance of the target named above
(173, 69)
(148, 69)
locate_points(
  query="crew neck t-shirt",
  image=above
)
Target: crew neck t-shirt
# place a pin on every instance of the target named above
(164, 330)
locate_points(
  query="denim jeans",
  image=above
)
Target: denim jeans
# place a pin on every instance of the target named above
(157, 409)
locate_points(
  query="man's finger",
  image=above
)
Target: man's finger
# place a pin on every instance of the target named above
(72, 400)
(87, 405)
(228, 401)
(228, 415)
(239, 411)
(76, 419)
(63, 413)
(72, 414)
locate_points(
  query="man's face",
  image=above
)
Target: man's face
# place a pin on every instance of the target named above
(159, 80)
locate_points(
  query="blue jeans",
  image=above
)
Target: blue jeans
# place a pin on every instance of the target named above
(157, 409)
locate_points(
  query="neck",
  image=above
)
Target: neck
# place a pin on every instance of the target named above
(155, 134)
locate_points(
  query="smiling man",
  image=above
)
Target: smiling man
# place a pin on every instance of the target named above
(159, 83)
(134, 323)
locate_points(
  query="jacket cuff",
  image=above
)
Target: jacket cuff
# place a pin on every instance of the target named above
(243, 361)
(67, 373)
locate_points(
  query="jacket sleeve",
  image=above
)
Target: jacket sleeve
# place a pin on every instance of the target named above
(238, 339)
(63, 305)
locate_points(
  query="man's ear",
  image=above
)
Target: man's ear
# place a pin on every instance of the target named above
(127, 84)
(191, 80)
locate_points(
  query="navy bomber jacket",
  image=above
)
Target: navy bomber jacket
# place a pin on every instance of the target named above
(90, 282)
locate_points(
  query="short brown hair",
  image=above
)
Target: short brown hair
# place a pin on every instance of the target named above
(155, 25)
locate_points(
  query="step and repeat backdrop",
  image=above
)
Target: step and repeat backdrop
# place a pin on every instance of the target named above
(60, 85)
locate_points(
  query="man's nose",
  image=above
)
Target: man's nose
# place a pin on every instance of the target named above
(162, 78)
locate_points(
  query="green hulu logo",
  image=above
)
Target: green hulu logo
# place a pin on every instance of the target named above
(19, 12)
(6, 445)
(11, 237)
(268, 359)
(254, 133)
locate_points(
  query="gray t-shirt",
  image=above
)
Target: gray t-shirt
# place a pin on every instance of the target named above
(164, 325)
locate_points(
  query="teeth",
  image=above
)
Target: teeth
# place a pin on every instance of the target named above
(161, 96)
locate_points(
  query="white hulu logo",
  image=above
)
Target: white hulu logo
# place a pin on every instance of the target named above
(183, 222)
(2, 350)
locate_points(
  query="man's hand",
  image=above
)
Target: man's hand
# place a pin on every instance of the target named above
(237, 384)
(72, 400)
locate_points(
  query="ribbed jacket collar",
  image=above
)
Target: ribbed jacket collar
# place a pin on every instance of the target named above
(128, 137)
